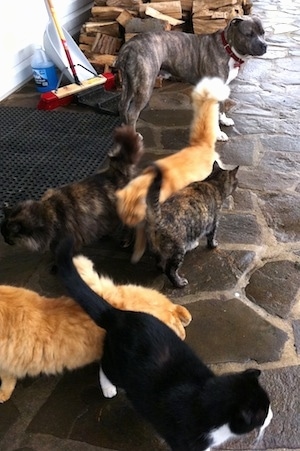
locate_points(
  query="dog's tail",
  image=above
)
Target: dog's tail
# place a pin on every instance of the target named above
(206, 97)
(153, 211)
(92, 303)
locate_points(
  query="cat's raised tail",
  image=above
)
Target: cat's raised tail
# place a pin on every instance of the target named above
(92, 303)
(205, 98)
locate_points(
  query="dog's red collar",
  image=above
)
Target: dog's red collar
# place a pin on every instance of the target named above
(238, 61)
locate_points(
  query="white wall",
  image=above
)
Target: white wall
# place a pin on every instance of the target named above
(22, 25)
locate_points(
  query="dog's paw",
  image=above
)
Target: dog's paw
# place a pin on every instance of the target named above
(221, 136)
(224, 120)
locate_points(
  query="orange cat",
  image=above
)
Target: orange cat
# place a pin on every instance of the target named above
(48, 335)
(193, 163)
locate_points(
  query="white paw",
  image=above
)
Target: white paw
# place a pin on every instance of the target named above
(224, 120)
(109, 391)
(221, 136)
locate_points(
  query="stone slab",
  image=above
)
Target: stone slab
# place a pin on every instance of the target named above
(175, 139)
(225, 331)
(77, 410)
(167, 118)
(282, 213)
(274, 287)
(210, 270)
(260, 179)
(239, 228)
(236, 151)
(296, 329)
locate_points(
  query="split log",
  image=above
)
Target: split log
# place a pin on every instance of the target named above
(202, 26)
(233, 11)
(85, 39)
(104, 44)
(85, 48)
(126, 4)
(106, 12)
(102, 60)
(124, 18)
(172, 8)
(110, 28)
(216, 4)
(152, 12)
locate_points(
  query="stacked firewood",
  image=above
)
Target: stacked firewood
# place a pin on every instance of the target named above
(113, 22)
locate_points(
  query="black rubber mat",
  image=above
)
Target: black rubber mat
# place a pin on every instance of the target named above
(41, 149)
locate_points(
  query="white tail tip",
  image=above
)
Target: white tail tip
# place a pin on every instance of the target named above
(212, 88)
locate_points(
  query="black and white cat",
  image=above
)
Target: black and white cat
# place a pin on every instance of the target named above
(189, 406)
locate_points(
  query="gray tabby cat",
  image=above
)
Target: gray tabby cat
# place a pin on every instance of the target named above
(177, 225)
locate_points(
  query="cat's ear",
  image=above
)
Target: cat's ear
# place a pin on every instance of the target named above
(114, 151)
(216, 166)
(253, 373)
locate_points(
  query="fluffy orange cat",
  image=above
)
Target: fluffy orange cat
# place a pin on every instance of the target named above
(193, 163)
(48, 335)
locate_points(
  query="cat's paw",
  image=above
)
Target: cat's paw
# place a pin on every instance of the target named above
(4, 396)
(180, 282)
(224, 120)
(212, 244)
(109, 391)
(221, 136)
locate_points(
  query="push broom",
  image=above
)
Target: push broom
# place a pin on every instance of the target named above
(64, 95)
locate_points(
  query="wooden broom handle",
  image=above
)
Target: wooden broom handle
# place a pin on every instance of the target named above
(63, 40)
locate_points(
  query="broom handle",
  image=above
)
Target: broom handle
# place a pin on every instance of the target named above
(63, 40)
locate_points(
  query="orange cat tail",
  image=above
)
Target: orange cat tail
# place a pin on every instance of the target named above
(206, 97)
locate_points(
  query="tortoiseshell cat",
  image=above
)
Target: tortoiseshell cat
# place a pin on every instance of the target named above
(188, 405)
(85, 209)
(46, 335)
(177, 225)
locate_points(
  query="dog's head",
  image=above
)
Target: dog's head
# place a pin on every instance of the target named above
(246, 36)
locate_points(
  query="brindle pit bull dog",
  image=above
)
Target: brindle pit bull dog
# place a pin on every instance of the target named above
(188, 57)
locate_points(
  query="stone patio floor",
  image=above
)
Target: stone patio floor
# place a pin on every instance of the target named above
(244, 296)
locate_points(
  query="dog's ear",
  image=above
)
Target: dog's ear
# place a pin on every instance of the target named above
(236, 21)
